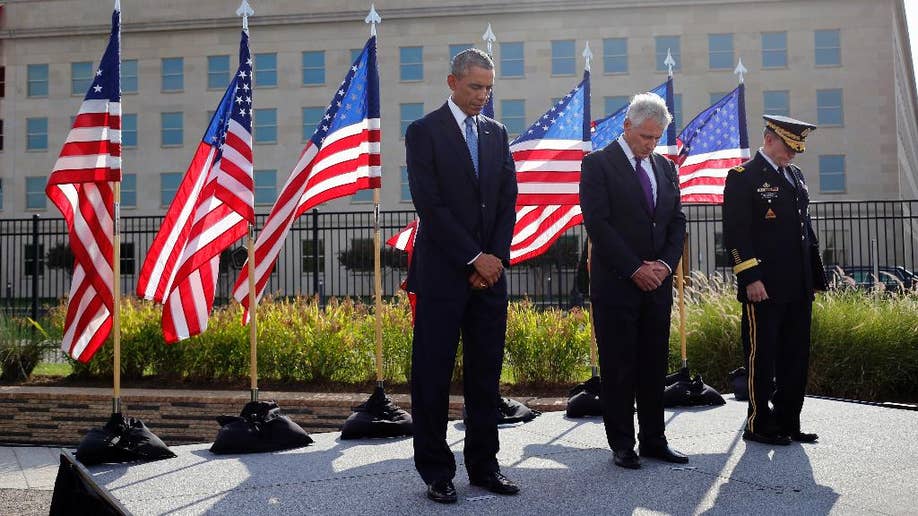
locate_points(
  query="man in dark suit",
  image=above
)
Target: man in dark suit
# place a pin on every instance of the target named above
(463, 184)
(768, 234)
(633, 215)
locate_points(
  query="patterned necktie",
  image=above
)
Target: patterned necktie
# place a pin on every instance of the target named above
(645, 183)
(471, 139)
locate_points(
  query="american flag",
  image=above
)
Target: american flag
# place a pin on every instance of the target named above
(341, 158)
(548, 156)
(404, 240)
(79, 185)
(211, 210)
(607, 130)
(713, 142)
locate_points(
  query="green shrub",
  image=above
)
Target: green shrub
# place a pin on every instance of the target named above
(546, 346)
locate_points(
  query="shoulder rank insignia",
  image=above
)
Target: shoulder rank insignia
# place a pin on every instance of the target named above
(770, 214)
(738, 169)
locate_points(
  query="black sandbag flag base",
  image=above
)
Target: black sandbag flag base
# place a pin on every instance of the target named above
(510, 411)
(121, 440)
(684, 391)
(739, 380)
(377, 417)
(260, 428)
(583, 399)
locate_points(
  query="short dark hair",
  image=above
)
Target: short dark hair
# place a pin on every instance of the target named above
(468, 58)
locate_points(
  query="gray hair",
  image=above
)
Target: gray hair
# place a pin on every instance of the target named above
(648, 105)
(468, 58)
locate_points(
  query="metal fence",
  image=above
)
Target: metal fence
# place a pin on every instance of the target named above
(330, 254)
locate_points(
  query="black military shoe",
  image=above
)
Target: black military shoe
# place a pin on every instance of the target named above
(496, 482)
(626, 459)
(802, 437)
(766, 438)
(664, 453)
(442, 491)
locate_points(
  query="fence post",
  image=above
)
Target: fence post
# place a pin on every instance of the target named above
(315, 251)
(36, 266)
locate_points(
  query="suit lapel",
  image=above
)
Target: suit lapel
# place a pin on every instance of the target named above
(457, 142)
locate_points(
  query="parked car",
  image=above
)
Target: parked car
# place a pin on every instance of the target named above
(891, 276)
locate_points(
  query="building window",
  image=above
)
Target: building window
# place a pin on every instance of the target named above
(671, 44)
(1, 134)
(776, 102)
(168, 185)
(264, 125)
(355, 53)
(774, 50)
(615, 55)
(406, 186)
(717, 95)
(308, 255)
(127, 260)
(37, 78)
(129, 190)
(455, 49)
(129, 130)
(829, 109)
(613, 104)
(81, 76)
(37, 133)
(410, 63)
(266, 70)
(35, 193)
(172, 129)
(2, 82)
(363, 196)
(173, 75)
(512, 60)
(28, 259)
(314, 67)
(218, 72)
(311, 118)
(265, 186)
(832, 173)
(1, 194)
(720, 51)
(563, 60)
(129, 76)
(827, 47)
(409, 113)
(513, 115)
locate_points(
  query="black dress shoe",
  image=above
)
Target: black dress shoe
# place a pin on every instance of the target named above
(759, 437)
(442, 491)
(664, 453)
(626, 459)
(802, 437)
(496, 482)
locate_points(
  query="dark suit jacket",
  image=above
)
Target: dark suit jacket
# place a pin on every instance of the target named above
(460, 215)
(623, 229)
(768, 233)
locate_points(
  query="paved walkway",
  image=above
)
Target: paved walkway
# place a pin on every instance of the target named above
(865, 463)
(28, 467)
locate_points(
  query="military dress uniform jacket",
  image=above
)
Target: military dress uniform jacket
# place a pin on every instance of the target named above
(768, 232)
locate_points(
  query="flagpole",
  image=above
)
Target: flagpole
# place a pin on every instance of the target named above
(116, 267)
(245, 10)
(373, 19)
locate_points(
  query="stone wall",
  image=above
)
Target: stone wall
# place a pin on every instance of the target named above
(62, 415)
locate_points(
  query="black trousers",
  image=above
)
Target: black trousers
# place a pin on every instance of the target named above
(481, 318)
(776, 340)
(633, 344)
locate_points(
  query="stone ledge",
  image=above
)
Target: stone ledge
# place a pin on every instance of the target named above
(62, 415)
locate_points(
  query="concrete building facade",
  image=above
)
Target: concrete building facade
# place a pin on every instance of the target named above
(843, 64)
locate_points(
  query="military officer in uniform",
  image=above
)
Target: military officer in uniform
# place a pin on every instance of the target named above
(769, 237)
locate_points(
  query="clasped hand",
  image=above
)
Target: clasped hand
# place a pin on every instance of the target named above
(650, 275)
(488, 269)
